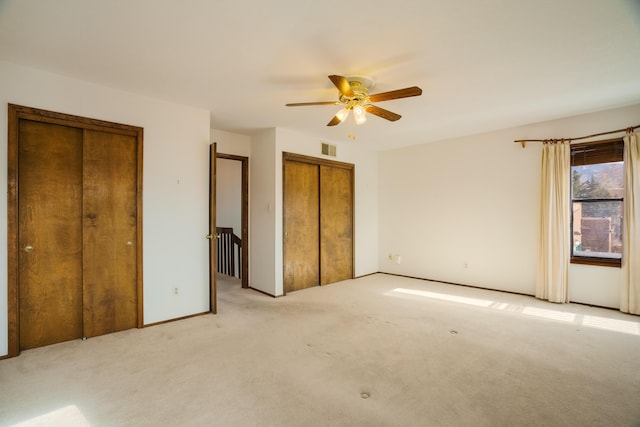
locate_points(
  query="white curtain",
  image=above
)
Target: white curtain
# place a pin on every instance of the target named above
(555, 224)
(630, 295)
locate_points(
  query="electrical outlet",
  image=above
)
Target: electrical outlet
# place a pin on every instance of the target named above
(175, 291)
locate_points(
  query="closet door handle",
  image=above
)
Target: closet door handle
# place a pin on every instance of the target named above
(28, 248)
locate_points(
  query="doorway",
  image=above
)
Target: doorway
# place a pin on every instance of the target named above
(74, 227)
(232, 216)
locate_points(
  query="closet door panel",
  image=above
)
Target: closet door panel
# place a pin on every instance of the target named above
(336, 224)
(110, 230)
(49, 233)
(301, 226)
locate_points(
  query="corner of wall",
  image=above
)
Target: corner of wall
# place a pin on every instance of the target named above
(262, 223)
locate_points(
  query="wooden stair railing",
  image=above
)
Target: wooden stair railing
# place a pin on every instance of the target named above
(228, 245)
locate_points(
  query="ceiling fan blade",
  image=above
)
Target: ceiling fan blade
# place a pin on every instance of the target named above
(343, 85)
(302, 104)
(334, 121)
(395, 94)
(381, 112)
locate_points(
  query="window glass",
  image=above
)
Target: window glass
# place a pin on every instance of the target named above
(597, 191)
(598, 181)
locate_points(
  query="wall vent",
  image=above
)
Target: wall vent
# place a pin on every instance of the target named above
(328, 149)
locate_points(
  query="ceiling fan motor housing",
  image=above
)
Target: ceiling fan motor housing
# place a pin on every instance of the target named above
(360, 86)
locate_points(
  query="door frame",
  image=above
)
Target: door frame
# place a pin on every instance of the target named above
(17, 113)
(213, 235)
(244, 221)
(293, 157)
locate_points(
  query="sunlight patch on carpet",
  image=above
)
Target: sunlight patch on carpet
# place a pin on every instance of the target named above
(617, 325)
(67, 416)
(598, 322)
(562, 316)
(445, 297)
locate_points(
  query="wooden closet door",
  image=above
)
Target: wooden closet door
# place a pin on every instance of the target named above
(301, 226)
(73, 227)
(110, 230)
(49, 233)
(336, 224)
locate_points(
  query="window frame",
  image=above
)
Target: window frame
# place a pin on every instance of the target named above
(602, 151)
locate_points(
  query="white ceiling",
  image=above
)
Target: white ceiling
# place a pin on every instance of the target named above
(482, 64)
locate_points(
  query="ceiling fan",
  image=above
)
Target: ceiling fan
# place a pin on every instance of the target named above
(354, 95)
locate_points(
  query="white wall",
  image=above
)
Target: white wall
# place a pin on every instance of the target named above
(262, 218)
(175, 183)
(231, 143)
(474, 200)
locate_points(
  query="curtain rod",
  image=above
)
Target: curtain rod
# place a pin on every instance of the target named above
(523, 142)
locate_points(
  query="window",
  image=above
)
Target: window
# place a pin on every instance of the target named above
(597, 184)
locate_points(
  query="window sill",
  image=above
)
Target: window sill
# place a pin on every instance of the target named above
(602, 262)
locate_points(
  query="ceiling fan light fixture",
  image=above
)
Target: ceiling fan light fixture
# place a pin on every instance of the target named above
(359, 114)
(342, 114)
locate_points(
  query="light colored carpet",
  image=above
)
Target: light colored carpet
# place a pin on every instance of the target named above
(375, 351)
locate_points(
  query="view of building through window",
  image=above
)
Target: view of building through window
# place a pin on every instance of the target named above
(597, 197)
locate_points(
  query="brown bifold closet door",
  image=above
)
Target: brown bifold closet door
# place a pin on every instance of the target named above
(50, 234)
(336, 224)
(318, 221)
(301, 226)
(109, 232)
(74, 228)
